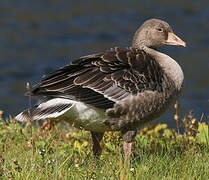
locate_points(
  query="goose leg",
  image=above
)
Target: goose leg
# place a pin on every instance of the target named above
(97, 137)
(128, 137)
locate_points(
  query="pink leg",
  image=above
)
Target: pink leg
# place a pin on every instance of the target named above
(127, 149)
(128, 137)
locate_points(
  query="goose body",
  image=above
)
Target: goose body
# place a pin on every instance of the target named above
(122, 89)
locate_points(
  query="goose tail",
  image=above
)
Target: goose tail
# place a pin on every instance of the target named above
(49, 109)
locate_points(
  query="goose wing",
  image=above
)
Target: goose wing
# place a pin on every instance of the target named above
(102, 79)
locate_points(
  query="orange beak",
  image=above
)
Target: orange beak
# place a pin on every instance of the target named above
(174, 40)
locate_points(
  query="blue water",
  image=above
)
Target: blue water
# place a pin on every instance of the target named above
(39, 36)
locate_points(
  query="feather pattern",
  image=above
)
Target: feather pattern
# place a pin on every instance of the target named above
(109, 77)
(50, 109)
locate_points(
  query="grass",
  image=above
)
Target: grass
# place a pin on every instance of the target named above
(63, 153)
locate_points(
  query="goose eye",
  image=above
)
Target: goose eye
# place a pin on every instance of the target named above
(160, 29)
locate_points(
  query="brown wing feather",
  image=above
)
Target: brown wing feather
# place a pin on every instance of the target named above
(102, 79)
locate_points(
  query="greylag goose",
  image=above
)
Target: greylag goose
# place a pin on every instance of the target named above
(122, 89)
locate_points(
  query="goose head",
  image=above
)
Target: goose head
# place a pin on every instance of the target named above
(155, 33)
